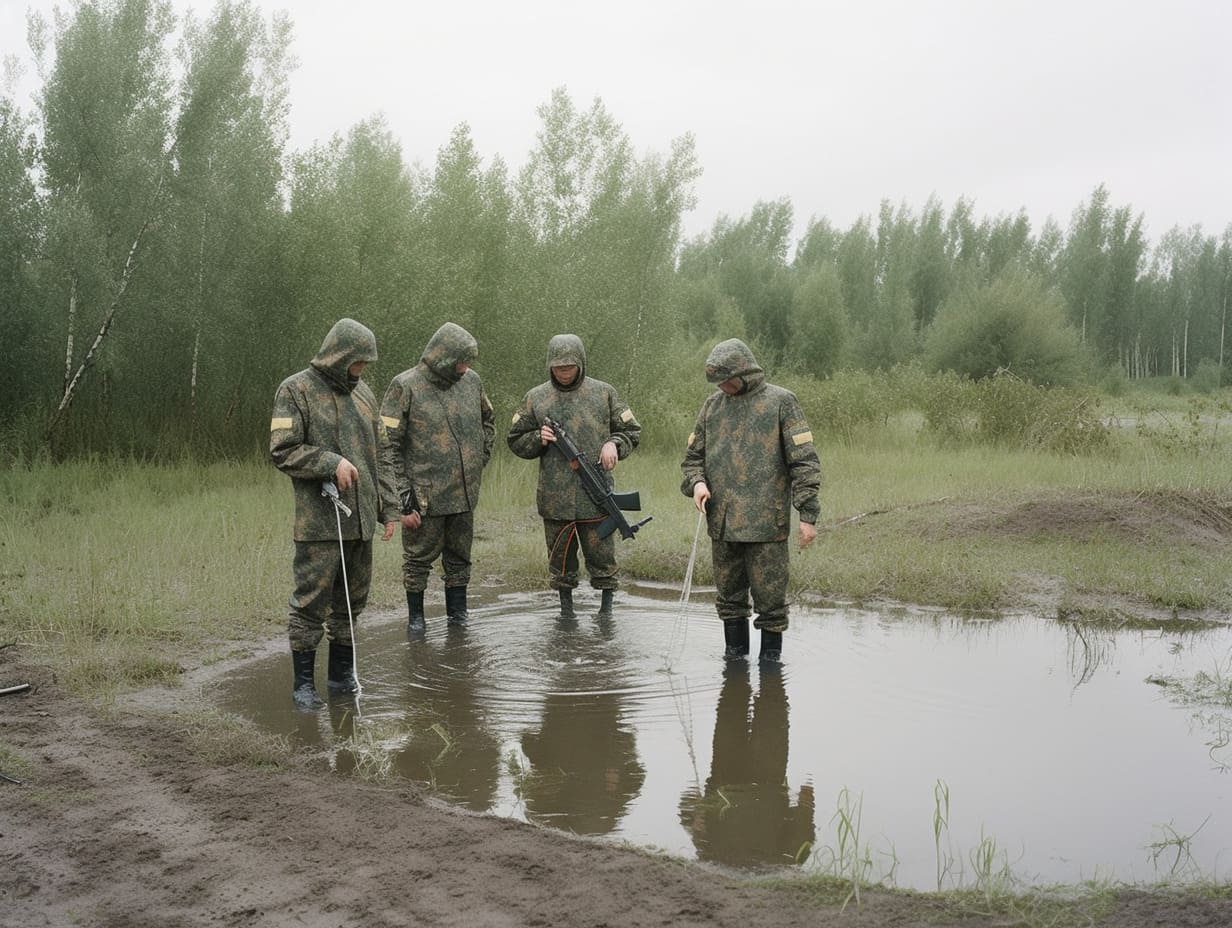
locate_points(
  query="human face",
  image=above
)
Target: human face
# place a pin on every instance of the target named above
(732, 385)
(357, 368)
(565, 374)
(462, 367)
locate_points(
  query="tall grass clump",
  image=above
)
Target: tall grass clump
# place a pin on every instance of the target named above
(115, 568)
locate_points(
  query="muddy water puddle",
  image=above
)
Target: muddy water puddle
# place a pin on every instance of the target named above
(937, 748)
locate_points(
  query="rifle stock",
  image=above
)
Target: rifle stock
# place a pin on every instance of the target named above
(596, 487)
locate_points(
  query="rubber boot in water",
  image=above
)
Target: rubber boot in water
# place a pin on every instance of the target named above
(605, 605)
(342, 669)
(566, 605)
(415, 612)
(771, 647)
(455, 605)
(736, 639)
(304, 690)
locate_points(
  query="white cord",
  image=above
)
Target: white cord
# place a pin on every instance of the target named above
(346, 589)
(681, 626)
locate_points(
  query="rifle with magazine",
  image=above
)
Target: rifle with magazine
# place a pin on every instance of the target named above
(593, 482)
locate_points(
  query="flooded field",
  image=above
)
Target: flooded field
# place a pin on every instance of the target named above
(919, 747)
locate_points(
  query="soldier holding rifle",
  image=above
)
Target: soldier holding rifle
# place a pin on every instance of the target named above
(606, 431)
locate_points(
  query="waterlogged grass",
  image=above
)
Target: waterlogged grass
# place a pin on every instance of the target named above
(122, 573)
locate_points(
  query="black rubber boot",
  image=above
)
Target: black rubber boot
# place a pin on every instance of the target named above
(304, 690)
(605, 605)
(566, 605)
(771, 647)
(455, 605)
(414, 611)
(736, 639)
(342, 668)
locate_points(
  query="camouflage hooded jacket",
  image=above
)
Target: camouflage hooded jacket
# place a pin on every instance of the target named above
(592, 413)
(322, 415)
(754, 450)
(441, 425)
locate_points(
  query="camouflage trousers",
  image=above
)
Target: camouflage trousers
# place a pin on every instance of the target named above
(447, 537)
(564, 539)
(757, 567)
(318, 602)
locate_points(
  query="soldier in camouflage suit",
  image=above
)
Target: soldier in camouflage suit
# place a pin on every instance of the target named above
(749, 458)
(326, 427)
(442, 428)
(604, 429)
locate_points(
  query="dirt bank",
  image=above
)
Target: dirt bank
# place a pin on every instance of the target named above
(122, 819)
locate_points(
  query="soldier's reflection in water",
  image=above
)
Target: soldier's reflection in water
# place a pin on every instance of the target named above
(584, 770)
(746, 817)
(342, 724)
(450, 748)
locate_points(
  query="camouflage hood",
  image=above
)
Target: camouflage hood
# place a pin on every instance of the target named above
(347, 342)
(449, 347)
(733, 358)
(564, 350)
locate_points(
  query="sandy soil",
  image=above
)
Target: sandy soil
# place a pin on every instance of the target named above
(120, 819)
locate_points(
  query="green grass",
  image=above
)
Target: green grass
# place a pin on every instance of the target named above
(122, 573)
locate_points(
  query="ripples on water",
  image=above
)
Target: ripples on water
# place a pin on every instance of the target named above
(1048, 736)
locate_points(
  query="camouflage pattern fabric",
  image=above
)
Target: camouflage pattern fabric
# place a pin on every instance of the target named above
(757, 567)
(564, 539)
(754, 450)
(318, 601)
(447, 537)
(593, 414)
(441, 425)
(322, 415)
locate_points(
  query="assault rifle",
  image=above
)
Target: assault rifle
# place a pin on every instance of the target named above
(596, 487)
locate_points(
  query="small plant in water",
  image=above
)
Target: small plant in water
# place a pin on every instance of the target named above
(941, 827)
(372, 750)
(1176, 850)
(991, 868)
(849, 860)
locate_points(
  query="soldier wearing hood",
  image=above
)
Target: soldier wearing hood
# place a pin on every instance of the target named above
(442, 428)
(750, 458)
(326, 427)
(604, 429)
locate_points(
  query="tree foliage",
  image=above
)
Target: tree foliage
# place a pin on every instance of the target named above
(1009, 324)
(165, 260)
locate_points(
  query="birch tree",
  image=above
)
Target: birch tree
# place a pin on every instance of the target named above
(105, 112)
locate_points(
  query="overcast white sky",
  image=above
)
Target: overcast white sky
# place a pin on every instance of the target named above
(1009, 103)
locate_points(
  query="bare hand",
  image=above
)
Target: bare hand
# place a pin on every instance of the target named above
(701, 495)
(808, 532)
(389, 531)
(345, 475)
(411, 520)
(546, 435)
(608, 456)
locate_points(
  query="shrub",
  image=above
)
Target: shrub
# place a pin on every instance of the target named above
(1011, 324)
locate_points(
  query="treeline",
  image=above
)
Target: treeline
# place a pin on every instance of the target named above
(165, 259)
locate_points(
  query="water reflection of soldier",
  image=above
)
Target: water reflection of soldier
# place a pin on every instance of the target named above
(326, 427)
(745, 817)
(750, 458)
(465, 768)
(604, 429)
(442, 428)
(584, 766)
